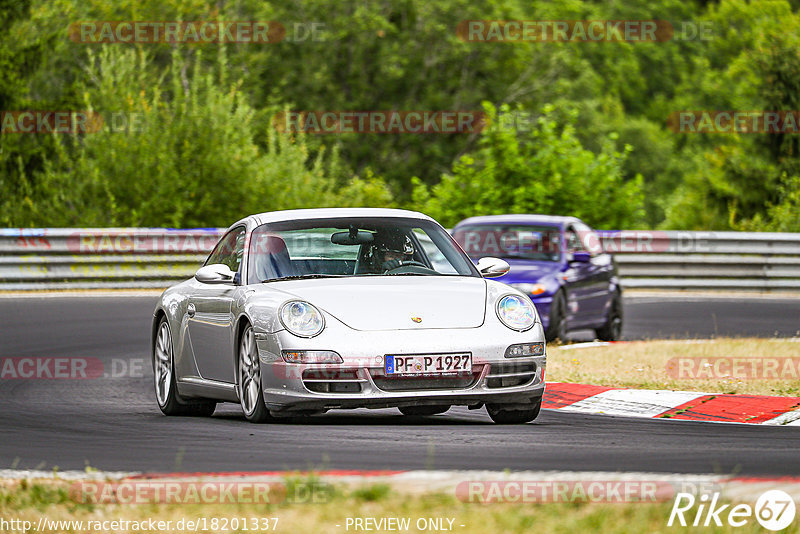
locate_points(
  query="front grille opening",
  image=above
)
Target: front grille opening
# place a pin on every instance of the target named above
(330, 374)
(333, 387)
(332, 380)
(427, 382)
(508, 375)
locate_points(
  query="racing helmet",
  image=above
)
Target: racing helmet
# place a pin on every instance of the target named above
(395, 241)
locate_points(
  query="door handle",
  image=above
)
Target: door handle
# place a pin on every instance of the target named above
(190, 310)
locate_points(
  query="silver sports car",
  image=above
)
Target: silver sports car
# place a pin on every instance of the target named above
(300, 312)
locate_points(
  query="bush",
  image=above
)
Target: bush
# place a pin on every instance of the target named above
(179, 150)
(546, 171)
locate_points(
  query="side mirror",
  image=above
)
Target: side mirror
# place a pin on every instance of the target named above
(492, 267)
(581, 257)
(216, 273)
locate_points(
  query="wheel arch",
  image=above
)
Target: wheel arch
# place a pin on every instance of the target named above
(564, 292)
(241, 323)
(550, 331)
(616, 296)
(158, 316)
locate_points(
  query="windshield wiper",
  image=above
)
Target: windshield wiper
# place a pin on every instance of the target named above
(302, 277)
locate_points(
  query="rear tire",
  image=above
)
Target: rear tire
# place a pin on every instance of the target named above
(513, 417)
(557, 327)
(612, 329)
(167, 396)
(251, 393)
(423, 410)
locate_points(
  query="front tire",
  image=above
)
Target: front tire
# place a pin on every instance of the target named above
(557, 327)
(612, 329)
(502, 416)
(167, 396)
(423, 410)
(251, 394)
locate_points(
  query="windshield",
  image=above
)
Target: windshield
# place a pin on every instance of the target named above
(541, 243)
(353, 247)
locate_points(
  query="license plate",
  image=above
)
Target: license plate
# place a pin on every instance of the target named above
(422, 364)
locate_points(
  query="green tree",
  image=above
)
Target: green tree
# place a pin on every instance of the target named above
(546, 170)
(739, 180)
(178, 149)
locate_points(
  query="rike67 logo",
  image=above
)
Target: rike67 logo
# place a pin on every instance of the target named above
(774, 510)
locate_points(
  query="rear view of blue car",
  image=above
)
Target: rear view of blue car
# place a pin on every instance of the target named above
(559, 262)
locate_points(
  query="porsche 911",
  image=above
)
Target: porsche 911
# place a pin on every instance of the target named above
(304, 311)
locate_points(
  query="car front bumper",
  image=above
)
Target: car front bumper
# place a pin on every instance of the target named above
(360, 382)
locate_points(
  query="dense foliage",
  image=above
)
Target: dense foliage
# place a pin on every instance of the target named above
(188, 137)
(544, 170)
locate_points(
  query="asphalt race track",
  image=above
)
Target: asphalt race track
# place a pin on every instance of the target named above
(114, 423)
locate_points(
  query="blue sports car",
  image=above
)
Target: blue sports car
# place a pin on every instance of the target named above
(559, 262)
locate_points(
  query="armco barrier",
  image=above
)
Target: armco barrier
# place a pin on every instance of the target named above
(757, 261)
(85, 258)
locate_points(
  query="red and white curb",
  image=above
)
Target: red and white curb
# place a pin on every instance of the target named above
(666, 404)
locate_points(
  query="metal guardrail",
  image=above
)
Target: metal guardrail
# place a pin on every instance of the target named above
(89, 258)
(757, 261)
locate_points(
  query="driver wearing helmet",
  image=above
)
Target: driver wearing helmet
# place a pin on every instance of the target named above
(394, 249)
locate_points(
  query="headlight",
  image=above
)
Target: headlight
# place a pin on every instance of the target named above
(531, 289)
(516, 312)
(301, 318)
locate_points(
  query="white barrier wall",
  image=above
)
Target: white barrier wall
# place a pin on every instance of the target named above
(82, 258)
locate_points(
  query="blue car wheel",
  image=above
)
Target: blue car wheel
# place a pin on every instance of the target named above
(557, 327)
(612, 329)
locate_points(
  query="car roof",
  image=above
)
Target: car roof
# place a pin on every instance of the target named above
(511, 218)
(327, 213)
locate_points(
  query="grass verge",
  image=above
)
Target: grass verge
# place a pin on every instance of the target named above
(724, 365)
(29, 501)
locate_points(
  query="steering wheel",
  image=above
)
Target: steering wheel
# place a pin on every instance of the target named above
(395, 265)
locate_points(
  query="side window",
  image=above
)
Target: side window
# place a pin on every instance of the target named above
(432, 252)
(589, 241)
(229, 250)
(573, 240)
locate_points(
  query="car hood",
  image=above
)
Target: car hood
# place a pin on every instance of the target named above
(393, 302)
(529, 271)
